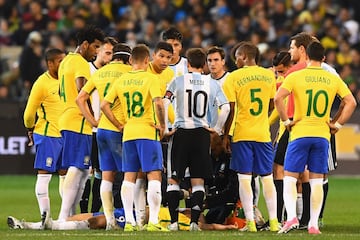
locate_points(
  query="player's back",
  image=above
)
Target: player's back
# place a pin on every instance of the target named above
(136, 91)
(314, 91)
(251, 87)
(194, 93)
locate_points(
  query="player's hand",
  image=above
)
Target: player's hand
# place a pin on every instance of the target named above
(161, 129)
(226, 144)
(290, 125)
(168, 134)
(216, 144)
(333, 128)
(31, 138)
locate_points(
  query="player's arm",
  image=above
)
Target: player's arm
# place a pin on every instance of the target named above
(222, 117)
(82, 102)
(348, 109)
(279, 98)
(34, 101)
(106, 109)
(80, 82)
(227, 126)
(160, 114)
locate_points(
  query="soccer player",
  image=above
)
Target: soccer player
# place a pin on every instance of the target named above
(109, 138)
(314, 90)
(103, 57)
(252, 89)
(281, 63)
(85, 221)
(195, 93)
(44, 102)
(139, 94)
(178, 63)
(74, 71)
(159, 66)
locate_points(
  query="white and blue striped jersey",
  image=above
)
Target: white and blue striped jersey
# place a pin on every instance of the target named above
(194, 93)
(180, 68)
(214, 108)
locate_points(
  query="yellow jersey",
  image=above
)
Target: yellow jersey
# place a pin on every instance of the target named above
(103, 80)
(314, 91)
(44, 101)
(251, 88)
(136, 91)
(72, 67)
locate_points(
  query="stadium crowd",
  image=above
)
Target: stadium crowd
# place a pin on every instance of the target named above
(268, 24)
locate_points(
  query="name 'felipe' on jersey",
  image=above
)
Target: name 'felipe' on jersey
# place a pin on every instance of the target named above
(194, 93)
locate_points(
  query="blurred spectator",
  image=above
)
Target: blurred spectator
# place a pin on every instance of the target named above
(161, 9)
(66, 21)
(97, 18)
(30, 63)
(347, 77)
(36, 15)
(344, 56)
(330, 40)
(148, 33)
(53, 10)
(4, 93)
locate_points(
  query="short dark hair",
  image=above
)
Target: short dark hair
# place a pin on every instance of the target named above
(216, 49)
(110, 40)
(250, 49)
(140, 52)
(302, 39)
(90, 34)
(237, 46)
(52, 53)
(315, 51)
(122, 52)
(196, 57)
(172, 33)
(283, 58)
(164, 46)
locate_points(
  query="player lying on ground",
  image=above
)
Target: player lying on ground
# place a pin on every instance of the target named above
(97, 220)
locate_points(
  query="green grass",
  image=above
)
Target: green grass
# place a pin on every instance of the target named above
(17, 198)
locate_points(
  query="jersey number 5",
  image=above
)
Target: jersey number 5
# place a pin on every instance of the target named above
(257, 100)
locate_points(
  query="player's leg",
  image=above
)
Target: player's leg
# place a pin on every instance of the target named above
(242, 162)
(318, 167)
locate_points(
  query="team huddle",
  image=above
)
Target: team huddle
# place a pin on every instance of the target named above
(153, 115)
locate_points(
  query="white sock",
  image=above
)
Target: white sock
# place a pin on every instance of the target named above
(82, 183)
(127, 196)
(107, 200)
(70, 190)
(42, 192)
(154, 199)
(299, 205)
(61, 184)
(246, 195)
(32, 225)
(316, 199)
(269, 192)
(70, 225)
(140, 201)
(289, 196)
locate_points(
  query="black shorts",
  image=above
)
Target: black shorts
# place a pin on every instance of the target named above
(281, 148)
(332, 163)
(94, 153)
(190, 148)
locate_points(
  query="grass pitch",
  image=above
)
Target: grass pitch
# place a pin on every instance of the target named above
(17, 198)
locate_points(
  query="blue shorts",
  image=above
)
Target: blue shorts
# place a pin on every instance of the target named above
(110, 150)
(76, 150)
(142, 154)
(252, 157)
(119, 214)
(48, 153)
(310, 151)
